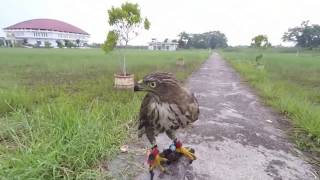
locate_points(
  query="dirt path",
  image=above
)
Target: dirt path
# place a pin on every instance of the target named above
(236, 136)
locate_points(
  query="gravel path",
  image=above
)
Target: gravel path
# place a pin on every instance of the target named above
(236, 136)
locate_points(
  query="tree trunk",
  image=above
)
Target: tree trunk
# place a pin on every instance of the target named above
(124, 64)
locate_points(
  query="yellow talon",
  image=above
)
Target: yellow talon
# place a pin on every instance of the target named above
(155, 160)
(186, 152)
(157, 163)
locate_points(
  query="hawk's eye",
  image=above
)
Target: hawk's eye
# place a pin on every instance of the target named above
(152, 84)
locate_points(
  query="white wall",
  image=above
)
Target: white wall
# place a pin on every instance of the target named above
(33, 41)
(33, 36)
(163, 47)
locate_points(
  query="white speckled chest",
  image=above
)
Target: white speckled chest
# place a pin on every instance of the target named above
(163, 118)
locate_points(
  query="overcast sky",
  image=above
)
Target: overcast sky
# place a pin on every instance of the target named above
(240, 20)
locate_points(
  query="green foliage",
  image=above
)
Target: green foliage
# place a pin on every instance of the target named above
(111, 41)
(47, 44)
(59, 44)
(37, 45)
(216, 39)
(212, 39)
(25, 41)
(60, 116)
(128, 14)
(260, 41)
(78, 42)
(184, 41)
(9, 43)
(126, 21)
(1, 42)
(146, 24)
(306, 36)
(289, 83)
(69, 44)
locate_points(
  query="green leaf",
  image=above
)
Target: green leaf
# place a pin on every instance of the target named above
(146, 24)
(125, 20)
(111, 41)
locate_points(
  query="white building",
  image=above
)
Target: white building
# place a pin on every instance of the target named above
(45, 31)
(164, 46)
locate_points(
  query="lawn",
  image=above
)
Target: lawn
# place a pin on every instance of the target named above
(288, 81)
(59, 113)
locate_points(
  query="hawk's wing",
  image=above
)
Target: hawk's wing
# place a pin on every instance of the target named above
(143, 116)
(194, 108)
(187, 111)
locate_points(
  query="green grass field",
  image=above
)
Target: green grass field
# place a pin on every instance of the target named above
(288, 82)
(59, 114)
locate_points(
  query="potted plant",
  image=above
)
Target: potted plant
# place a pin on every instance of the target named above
(180, 62)
(125, 21)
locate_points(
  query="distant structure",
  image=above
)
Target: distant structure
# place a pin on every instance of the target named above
(167, 45)
(2, 41)
(44, 32)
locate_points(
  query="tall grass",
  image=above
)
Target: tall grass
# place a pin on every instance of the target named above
(289, 82)
(59, 113)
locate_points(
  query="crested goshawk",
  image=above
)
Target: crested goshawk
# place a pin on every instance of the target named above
(166, 107)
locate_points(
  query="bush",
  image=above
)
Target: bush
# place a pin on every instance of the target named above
(1, 42)
(59, 44)
(69, 44)
(47, 44)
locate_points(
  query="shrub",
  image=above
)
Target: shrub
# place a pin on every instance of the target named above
(47, 44)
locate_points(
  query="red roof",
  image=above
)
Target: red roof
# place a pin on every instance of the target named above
(47, 24)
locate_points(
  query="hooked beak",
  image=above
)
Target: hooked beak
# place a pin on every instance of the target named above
(139, 86)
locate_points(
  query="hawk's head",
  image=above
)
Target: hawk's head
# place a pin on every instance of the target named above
(159, 83)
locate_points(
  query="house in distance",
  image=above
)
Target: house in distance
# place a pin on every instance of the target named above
(39, 32)
(166, 45)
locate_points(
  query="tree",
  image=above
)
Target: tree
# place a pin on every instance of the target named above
(305, 35)
(2, 42)
(175, 41)
(25, 42)
(68, 44)
(78, 42)
(260, 41)
(216, 39)
(211, 39)
(47, 44)
(110, 42)
(184, 40)
(59, 44)
(126, 21)
(38, 44)
(199, 41)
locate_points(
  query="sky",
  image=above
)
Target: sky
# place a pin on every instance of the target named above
(240, 20)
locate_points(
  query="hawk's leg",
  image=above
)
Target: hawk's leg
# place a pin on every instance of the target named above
(154, 159)
(179, 148)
